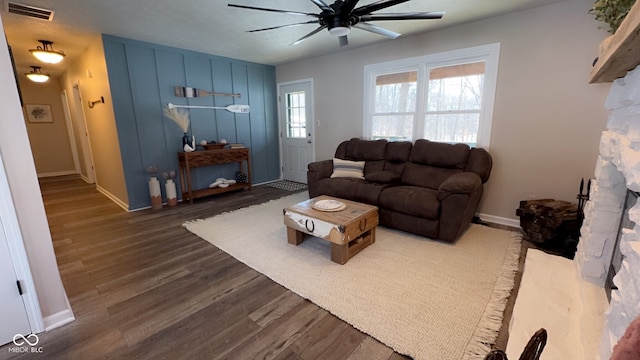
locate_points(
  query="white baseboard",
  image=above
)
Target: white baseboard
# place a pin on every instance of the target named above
(59, 173)
(112, 197)
(500, 220)
(58, 319)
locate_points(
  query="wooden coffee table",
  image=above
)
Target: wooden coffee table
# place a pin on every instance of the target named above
(349, 230)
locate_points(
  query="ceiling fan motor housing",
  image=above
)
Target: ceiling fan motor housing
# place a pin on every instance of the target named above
(340, 16)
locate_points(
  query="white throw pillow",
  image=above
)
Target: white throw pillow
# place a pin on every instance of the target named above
(347, 169)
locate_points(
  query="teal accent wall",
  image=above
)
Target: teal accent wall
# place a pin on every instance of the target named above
(142, 77)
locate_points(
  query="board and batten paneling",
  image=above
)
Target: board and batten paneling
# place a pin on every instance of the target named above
(142, 77)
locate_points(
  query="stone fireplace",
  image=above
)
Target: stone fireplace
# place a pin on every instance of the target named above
(617, 172)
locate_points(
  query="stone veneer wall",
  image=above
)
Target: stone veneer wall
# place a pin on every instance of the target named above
(617, 169)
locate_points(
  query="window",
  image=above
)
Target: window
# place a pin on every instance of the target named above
(394, 106)
(296, 119)
(445, 97)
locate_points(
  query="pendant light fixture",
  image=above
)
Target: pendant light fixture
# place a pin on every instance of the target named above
(36, 75)
(45, 53)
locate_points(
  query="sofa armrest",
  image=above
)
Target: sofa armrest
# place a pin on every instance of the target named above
(461, 183)
(459, 196)
(317, 171)
(321, 169)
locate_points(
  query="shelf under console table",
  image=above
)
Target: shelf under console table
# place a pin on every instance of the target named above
(202, 158)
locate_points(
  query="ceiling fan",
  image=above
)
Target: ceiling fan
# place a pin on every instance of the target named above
(342, 15)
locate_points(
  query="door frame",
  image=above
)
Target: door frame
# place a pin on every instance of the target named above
(312, 129)
(18, 254)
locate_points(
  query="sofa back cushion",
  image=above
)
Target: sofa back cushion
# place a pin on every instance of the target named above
(430, 163)
(397, 156)
(372, 152)
(480, 162)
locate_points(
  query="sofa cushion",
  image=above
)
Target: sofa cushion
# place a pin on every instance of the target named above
(442, 155)
(369, 193)
(383, 177)
(426, 176)
(397, 155)
(431, 163)
(347, 169)
(412, 200)
(345, 188)
(367, 150)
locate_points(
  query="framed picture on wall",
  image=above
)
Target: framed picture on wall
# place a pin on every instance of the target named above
(39, 114)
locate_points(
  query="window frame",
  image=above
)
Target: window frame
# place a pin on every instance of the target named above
(489, 53)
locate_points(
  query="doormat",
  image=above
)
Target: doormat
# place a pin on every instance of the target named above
(287, 185)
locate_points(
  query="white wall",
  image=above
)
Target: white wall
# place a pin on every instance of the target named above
(27, 199)
(547, 118)
(100, 120)
(50, 144)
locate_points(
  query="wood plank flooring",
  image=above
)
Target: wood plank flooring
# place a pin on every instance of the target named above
(142, 287)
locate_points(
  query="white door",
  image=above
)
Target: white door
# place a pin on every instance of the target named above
(12, 312)
(86, 168)
(296, 125)
(70, 132)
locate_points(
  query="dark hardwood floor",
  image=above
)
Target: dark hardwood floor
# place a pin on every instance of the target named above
(142, 287)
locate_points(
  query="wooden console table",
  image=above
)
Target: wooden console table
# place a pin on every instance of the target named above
(202, 158)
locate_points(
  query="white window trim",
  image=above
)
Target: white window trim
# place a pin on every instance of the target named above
(489, 53)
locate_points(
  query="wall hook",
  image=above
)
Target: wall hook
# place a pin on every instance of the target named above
(93, 103)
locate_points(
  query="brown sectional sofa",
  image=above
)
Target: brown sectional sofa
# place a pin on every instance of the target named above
(427, 188)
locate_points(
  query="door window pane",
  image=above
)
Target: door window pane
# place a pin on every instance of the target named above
(296, 115)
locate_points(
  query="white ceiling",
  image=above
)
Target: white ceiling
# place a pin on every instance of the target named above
(212, 27)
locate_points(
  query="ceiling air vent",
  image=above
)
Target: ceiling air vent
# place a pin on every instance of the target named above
(30, 11)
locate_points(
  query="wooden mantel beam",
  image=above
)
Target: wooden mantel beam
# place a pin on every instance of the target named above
(621, 52)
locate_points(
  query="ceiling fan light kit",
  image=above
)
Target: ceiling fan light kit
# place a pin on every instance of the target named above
(46, 54)
(36, 75)
(339, 17)
(339, 31)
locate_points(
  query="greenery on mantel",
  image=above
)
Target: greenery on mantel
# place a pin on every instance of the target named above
(611, 12)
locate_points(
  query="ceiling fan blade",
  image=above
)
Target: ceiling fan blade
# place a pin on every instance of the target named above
(348, 5)
(378, 5)
(273, 10)
(322, 5)
(403, 16)
(282, 26)
(376, 30)
(343, 40)
(310, 34)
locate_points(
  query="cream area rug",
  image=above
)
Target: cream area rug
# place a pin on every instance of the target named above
(422, 298)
